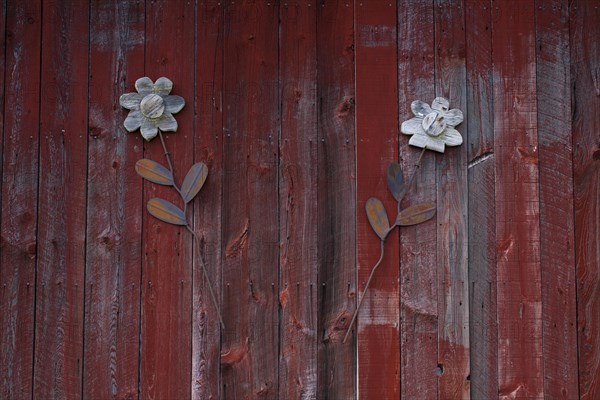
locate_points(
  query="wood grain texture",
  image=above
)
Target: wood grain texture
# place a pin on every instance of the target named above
(418, 248)
(585, 84)
(520, 371)
(559, 309)
(336, 199)
(62, 200)
(114, 206)
(378, 338)
(452, 200)
(298, 202)
(206, 343)
(250, 244)
(166, 320)
(483, 329)
(20, 109)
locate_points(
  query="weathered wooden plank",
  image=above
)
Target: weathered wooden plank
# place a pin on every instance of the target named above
(483, 329)
(249, 356)
(20, 107)
(559, 309)
(114, 205)
(206, 342)
(298, 202)
(62, 200)
(585, 84)
(336, 199)
(452, 200)
(418, 248)
(378, 338)
(167, 250)
(520, 370)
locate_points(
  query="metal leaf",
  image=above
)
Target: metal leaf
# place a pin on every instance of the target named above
(154, 172)
(166, 211)
(377, 217)
(193, 182)
(395, 180)
(416, 214)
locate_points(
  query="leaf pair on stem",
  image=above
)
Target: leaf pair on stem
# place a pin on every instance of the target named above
(168, 212)
(380, 223)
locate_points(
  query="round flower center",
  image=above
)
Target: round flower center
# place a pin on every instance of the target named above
(434, 124)
(152, 106)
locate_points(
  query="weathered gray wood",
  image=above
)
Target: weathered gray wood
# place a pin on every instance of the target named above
(483, 329)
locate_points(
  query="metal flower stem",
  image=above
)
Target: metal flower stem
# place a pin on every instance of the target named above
(410, 182)
(197, 239)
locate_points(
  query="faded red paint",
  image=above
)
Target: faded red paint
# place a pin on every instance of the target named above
(480, 301)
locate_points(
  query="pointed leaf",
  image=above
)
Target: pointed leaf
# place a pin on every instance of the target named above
(193, 182)
(416, 214)
(377, 217)
(166, 211)
(395, 180)
(154, 172)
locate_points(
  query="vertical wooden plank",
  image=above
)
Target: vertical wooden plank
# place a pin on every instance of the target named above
(418, 268)
(559, 309)
(520, 369)
(250, 201)
(114, 208)
(206, 331)
(62, 200)
(336, 198)
(377, 145)
(167, 250)
(585, 83)
(21, 60)
(298, 201)
(483, 329)
(452, 200)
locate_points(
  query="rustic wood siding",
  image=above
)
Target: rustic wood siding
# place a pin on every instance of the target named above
(295, 107)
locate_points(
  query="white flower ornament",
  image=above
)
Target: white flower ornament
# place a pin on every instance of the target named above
(433, 127)
(152, 107)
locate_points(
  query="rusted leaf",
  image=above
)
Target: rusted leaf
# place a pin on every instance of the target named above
(166, 211)
(416, 214)
(377, 217)
(154, 172)
(193, 182)
(395, 180)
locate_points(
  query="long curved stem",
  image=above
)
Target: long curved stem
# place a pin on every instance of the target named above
(205, 272)
(412, 176)
(168, 157)
(201, 261)
(364, 292)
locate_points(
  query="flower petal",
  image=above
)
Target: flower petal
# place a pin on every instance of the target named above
(452, 137)
(130, 101)
(412, 126)
(149, 130)
(163, 86)
(420, 108)
(133, 120)
(144, 85)
(440, 104)
(167, 123)
(173, 104)
(426, 142)
(453, 117)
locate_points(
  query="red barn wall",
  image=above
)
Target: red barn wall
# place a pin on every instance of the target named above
(295, 107)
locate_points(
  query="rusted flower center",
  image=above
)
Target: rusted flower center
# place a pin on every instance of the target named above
(434, 124)
(152, 106)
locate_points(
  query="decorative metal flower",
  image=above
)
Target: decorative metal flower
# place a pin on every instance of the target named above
(152, 107)
(433, 127)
